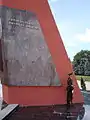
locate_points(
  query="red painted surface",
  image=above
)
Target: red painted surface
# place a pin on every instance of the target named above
(43, 95)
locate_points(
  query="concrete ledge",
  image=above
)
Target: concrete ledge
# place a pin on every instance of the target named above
(7, 111)
(56, 112)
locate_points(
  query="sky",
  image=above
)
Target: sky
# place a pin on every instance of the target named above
(73, 21)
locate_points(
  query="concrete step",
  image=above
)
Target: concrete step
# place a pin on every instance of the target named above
(7, 111)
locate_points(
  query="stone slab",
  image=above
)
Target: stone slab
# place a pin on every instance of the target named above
(6, 111)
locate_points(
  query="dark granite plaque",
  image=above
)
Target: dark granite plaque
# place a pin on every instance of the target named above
(27, 60)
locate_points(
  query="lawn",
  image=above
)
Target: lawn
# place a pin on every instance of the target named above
(86, 78)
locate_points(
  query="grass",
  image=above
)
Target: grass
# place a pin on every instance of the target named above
(86, 78)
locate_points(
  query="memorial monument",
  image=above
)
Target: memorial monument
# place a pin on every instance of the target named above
(34, 59)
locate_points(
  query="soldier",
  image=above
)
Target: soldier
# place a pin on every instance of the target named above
(83, 85)
(70, 89)
(70, 81)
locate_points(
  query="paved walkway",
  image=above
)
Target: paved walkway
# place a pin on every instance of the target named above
(58, 112)
(87, 85)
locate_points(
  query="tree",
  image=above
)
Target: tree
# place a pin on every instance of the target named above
(81, 63)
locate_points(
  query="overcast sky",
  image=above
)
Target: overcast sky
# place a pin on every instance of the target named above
(73, 21)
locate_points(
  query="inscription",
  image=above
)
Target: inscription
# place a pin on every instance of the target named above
(21, 23)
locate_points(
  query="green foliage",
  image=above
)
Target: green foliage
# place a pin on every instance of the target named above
(81, 63)
(81, 54)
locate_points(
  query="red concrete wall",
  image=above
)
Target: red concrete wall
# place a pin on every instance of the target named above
(44, 95)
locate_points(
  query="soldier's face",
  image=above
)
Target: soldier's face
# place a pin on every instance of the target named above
(71, 76)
